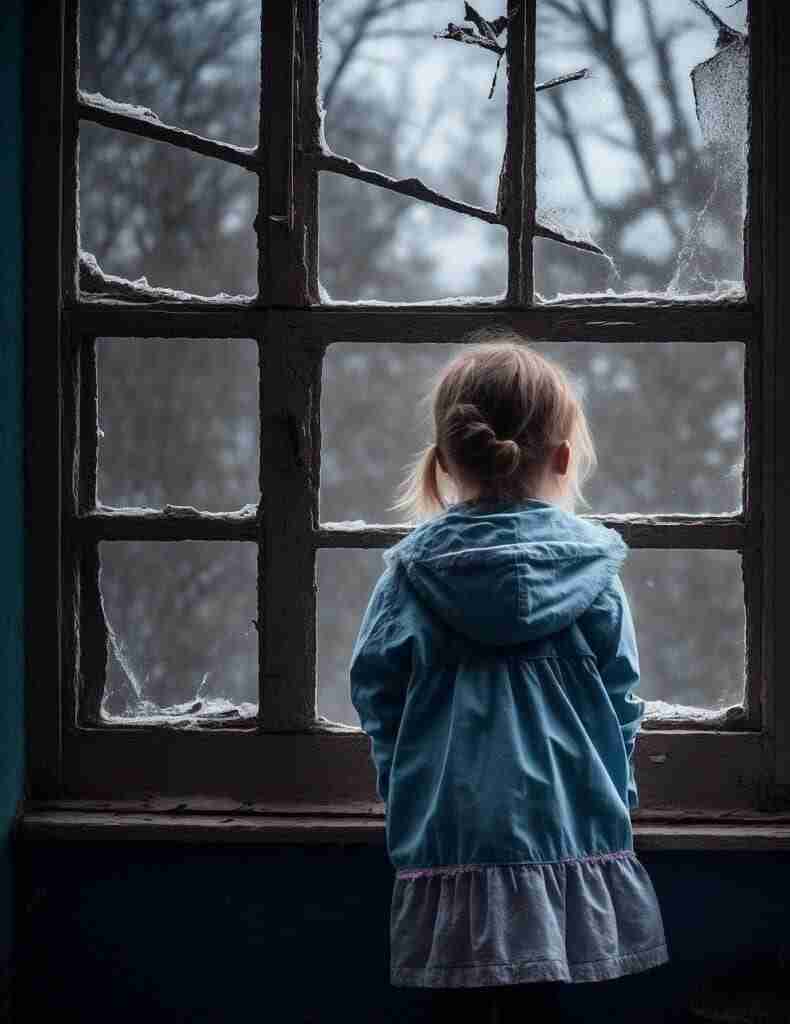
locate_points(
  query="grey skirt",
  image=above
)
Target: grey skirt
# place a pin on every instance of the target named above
(581, 919)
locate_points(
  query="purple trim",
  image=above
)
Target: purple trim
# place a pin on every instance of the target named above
(454, 869)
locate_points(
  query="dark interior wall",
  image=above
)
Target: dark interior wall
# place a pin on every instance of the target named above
(11, 448)
(159, 932)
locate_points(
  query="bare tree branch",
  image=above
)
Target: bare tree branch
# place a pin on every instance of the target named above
(574, 76)
(680, 130)
(145, 123)
(555, 235)
(566, 132)
(459, 34)
(325, 160)
(364, 19)
(602, 40)
(561, 8)
(485, 36)
(489, 29)
(412, 187)
(488, 42)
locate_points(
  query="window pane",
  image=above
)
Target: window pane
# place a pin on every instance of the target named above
(688, 611)
(180, 220)
(648, 155)
(376, 244)
(180, 622)
(196, 66)
(345, 580)
(687, 608)
(178, 423)
(413, 106)
(667, 420)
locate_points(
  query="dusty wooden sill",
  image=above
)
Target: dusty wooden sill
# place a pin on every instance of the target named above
(360, 823)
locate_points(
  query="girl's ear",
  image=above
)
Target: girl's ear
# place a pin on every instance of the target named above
(561, 458)
(440, 459)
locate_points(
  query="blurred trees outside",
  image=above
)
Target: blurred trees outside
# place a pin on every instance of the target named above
(620, 155)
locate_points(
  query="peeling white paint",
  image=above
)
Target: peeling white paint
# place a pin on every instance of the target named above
(663, 710)
(724, 291)
(464, 300)
(94, 281)
(96, 99)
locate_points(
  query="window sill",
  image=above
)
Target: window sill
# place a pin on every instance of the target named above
(713, 830)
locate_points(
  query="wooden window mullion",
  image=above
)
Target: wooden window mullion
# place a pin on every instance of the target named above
(70, 231)
(289, 489)
(281, 266)
(520, 164)
(183, 322)
(47, 622)
(92, 644)
(307, 136)
(669, 532)
(752, 550)
(590, 324)
(772, 35)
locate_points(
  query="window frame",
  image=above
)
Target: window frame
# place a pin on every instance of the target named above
(292, 756)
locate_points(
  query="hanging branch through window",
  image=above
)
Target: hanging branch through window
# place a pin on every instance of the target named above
(485, 34)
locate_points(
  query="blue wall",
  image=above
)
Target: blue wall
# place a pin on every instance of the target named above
(11, 450)
(162, 932)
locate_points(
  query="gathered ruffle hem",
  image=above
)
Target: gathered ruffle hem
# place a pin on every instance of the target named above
(579, 919)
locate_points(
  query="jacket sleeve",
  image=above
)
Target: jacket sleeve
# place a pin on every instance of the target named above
(380, 671)
(613, 639)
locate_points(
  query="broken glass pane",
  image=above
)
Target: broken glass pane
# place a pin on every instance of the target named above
(647, 155)
(181, 221)
(667, 420)
(688, 610)
(197, 66)
(378, 245)
(679, 601)
(411, 105)
(182, 637)
(178, 423)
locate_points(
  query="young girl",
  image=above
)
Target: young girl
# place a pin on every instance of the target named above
(494, 673)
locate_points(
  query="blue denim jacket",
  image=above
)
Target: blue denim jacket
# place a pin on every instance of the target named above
(494, 672)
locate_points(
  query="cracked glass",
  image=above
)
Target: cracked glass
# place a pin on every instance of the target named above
(182, 639)
(646, 156)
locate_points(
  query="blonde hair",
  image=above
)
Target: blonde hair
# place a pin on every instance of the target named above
(499, 409)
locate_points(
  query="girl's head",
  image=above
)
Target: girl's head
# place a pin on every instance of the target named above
(508, 425)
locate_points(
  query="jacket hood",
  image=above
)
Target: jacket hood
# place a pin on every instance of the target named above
(505, 574)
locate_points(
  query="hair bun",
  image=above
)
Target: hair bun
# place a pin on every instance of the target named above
(507, 457)
(476, 441)
(470, 431)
